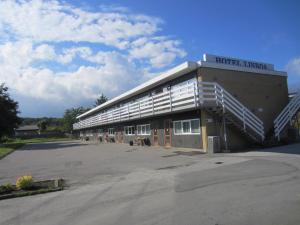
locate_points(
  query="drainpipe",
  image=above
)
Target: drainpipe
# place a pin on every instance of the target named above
(225, 132)
(224, 121)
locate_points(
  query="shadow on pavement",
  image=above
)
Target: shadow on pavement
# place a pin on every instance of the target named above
(288, 149)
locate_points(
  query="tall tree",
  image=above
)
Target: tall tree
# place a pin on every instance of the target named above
(102, 99)
(70, 117)
(9, 119)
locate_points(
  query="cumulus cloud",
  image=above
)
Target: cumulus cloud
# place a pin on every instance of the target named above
(21, 54)
(159, 50)
(55, 52)
(294, 66)
(53, 21)
(112, 71)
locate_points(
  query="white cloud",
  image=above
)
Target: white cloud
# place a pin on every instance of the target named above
(84, 83)
(53, 21)
(45, 52)
(22, 53)
(294, 66)
(159, 50)
(40, 40)
(70, 53)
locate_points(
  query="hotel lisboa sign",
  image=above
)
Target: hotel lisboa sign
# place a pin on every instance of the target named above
(237, 62)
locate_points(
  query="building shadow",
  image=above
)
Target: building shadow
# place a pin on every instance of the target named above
(288, 149)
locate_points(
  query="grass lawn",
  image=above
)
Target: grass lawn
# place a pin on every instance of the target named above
(7, 148)
(13, 144)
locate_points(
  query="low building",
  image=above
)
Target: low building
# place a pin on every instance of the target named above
(234, 99)
(27, 131)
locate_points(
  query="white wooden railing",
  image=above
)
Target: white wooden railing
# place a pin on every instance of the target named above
(174, 99)
(286, 115)
(215, 94)
(187, 96)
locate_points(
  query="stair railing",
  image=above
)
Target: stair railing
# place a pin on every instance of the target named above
(286, 115)
(212, 92)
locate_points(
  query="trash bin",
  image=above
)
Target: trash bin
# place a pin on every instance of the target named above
(214, 144)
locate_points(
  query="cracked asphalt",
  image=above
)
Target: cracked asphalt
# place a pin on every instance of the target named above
(119, 184)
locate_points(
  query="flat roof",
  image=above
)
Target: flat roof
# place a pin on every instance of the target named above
(211, 61)
(171, 74)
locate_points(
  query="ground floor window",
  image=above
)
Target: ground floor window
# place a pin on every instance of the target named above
(129, 130)
(100, 131)
(143, 129)
(111, 131)
(89, 133)
(191, 126)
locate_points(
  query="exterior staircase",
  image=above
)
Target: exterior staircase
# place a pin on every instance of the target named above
(285, 117)
(215, 99)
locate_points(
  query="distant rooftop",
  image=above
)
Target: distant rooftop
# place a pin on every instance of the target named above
(27, 128)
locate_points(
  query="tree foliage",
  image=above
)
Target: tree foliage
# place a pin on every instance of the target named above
(51, 121)
(9, 119)
(102, 99)
(43, 124)
(70, 117)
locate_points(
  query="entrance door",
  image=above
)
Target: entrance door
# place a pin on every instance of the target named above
(155, 137)
(167, 128)
(120, 137)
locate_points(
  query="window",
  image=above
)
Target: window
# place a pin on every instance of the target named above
(187, 127)
(100, 131)
(143, 129)
(129, 130)
(89, 133)
(195, 126)
(111, 131)
(177, 127)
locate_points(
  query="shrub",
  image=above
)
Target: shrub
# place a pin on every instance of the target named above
(6, 188)
(25, 182)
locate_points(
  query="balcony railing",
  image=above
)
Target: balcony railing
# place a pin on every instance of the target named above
(174, 99)
(181, 97)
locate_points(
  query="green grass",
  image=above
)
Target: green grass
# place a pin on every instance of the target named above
(8, 148)
(13, 144)
(39, 140)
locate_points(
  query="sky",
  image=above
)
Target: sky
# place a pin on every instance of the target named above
(56, 54)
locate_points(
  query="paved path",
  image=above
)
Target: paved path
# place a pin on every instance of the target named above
(118, 184)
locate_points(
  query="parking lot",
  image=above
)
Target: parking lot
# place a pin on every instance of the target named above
(80, 162)
(122, 184)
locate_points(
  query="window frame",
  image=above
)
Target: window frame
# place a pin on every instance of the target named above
(190, 127)
(141, 129)
(109, 131)
(129, 128)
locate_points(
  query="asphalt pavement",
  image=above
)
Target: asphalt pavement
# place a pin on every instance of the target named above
(119, 184)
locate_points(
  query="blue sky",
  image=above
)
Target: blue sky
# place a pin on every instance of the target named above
(60, 54)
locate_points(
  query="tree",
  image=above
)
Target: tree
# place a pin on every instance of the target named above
(102, 99)
(9, 119)
(43, 124)
(70, 117)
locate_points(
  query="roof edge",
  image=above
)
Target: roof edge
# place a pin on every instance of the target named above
(202, 63)
(160, 79)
